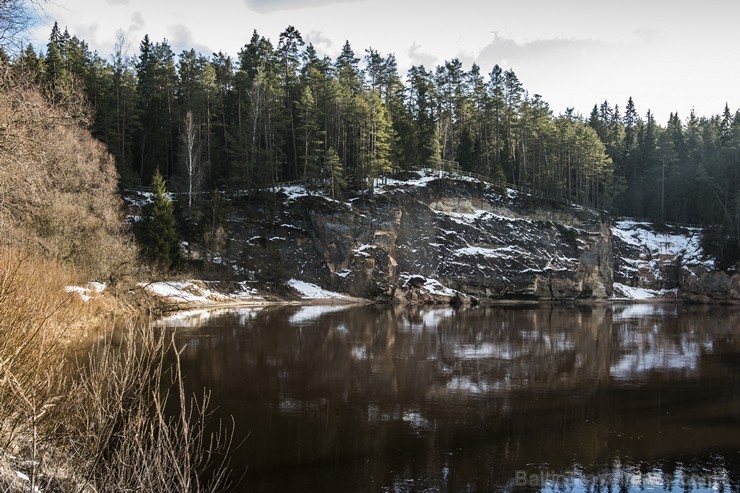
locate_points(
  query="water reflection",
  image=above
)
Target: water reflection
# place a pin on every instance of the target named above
(411, 399)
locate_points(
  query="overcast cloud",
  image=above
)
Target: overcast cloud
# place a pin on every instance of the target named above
(275, 5)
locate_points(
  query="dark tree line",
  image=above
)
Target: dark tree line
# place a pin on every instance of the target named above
(687, 171)
(278, 113)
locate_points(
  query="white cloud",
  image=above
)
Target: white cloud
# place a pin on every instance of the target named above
(419, 57)
(319, 41)
(181, 38)
(137, 21)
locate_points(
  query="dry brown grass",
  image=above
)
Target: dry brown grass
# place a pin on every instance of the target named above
(107, 422)
(128, 440)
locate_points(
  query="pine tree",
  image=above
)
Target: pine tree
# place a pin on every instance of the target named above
(310, 136)
(725, 129)
(496, 139)
(428, 151)
(161, 241)
(512, 99)
(56, 75)
(288, 49)
(335, 171)
(157, 108)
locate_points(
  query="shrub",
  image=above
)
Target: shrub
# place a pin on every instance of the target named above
(58, 189)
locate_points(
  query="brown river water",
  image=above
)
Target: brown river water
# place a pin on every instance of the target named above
(552, 398)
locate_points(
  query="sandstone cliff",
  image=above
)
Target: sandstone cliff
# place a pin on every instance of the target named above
(440, 239)
(431, 239)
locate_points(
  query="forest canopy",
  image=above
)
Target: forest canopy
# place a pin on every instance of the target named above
(280, 112)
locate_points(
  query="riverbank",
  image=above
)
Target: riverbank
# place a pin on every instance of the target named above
(76, 417)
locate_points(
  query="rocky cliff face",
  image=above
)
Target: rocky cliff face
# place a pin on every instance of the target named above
(427, 240)
(667, 263)
(434, 239)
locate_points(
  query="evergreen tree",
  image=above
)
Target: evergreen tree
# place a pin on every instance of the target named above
(156, 109)
(335, 171)
(56, 76)
(310, 136)
(422, 109)
(512, 100)
(122, 117)
(161, 245)
(288, 48)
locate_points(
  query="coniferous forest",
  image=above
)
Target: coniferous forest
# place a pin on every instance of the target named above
(281, 112)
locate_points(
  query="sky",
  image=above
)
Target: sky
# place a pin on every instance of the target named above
(668, 55)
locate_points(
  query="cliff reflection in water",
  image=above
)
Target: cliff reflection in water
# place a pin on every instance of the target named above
(378, 398)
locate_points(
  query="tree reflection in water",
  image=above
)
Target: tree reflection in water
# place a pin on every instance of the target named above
(412, 399)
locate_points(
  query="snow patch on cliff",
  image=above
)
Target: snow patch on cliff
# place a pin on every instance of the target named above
(649, 258)
(685, 242)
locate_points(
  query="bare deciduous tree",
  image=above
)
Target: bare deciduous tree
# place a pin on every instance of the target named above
(14, 20)
(193, 167)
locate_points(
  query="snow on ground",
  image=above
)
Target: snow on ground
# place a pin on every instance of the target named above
(425, 176)
(432, 286)
(138, 198)
(656, 250)
(82, 292)
(181, 291)
(437, 288)
(86, 293)
(465, 217)
(193, 292)
(641, 294)
(24, 477)
(97, 287)
(310, 291)
(363, 250)
(644, 236)
(294, 191)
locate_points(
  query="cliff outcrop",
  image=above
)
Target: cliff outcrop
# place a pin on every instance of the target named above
(429, 239)
(436, 238)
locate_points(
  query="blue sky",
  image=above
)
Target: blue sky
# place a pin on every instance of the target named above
(669, 55)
